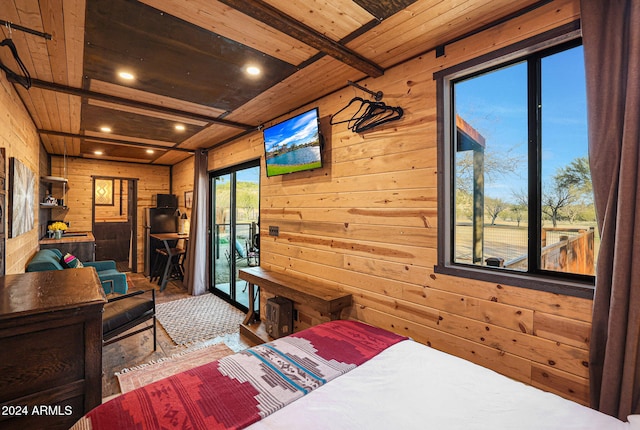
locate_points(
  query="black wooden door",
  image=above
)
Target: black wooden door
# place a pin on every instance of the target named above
(112, 240)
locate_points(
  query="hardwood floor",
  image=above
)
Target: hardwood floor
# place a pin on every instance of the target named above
(138, 349)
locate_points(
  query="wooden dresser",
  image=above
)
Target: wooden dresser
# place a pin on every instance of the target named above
(50, 347)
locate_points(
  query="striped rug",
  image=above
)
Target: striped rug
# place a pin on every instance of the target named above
(135, 377)
(198, 318)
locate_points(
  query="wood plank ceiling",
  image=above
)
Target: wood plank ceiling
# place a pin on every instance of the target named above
(189, 61)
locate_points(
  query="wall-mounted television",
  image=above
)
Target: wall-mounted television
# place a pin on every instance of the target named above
(294, 145)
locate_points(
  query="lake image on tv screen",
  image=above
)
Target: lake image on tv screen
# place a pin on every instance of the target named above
(293, 145)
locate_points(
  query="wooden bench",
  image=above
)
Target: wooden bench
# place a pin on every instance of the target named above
(327, 301)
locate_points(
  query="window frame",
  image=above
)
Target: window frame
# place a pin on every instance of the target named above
(567, 284)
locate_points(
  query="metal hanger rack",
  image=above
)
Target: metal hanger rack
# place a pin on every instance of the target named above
(12, 26)
(376, 95)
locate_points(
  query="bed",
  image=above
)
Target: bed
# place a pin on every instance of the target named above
(343, 375)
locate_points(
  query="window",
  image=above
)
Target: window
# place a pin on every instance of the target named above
(519, 205)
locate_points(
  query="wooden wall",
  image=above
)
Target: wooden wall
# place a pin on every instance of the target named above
(151, 181)
(367, 223)
(18, 135)
(181, 181)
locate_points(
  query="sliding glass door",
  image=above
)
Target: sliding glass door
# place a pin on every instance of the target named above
(235, 197)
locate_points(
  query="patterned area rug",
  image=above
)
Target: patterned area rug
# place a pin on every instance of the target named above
(138, 376)
(198, 318)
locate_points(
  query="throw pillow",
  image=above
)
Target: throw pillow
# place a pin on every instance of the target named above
(71, 262)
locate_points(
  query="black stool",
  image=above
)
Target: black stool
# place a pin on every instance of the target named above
(175, 259)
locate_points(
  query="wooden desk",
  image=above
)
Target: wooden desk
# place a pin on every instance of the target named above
(51, 354)
(166, 238)
(328, 301)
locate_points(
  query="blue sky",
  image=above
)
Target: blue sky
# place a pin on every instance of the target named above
(495, 105)
(291, 132)
(248, 175)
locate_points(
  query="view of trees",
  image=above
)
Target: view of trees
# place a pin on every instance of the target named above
(496, 166)
(566, 197)
(247, 201)
(514, 154)
(494, 207)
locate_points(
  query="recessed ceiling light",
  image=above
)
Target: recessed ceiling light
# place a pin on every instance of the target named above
(180, 127)
(97, 152)
(126, 75)
(253, 70)
(150, 151)
(105, 129)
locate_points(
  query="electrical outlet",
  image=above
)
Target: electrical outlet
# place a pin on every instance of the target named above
(274, 230)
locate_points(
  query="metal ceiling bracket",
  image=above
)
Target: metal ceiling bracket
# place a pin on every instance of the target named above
(376, 95)
(13, 26)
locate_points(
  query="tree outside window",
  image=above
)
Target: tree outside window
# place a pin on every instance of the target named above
(521, 187)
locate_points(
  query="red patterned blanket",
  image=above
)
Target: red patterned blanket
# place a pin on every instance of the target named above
(240, 389)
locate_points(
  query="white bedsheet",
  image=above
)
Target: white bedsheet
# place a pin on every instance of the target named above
(411, 386)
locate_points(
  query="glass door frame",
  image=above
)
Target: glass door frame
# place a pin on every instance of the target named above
(231, 171)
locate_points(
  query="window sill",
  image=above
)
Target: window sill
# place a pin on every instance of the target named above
(568, 287)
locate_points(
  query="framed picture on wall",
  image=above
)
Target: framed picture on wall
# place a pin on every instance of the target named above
(3, 208)
(2, 258)
(3, 189)
(188, 199)
(3, 171)
(22, 186)
(104, 192)
(3, 212)
(3, 166)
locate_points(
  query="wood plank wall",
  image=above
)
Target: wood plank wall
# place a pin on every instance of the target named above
(367, 223)
(151, 181)
(19, 137)
(181, 181)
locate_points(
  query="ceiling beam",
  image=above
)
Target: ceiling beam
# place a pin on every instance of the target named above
(113, 141)
(51, 86)
(273, 17)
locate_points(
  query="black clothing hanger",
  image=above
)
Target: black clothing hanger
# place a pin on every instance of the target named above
(377, 114)
(369, 114)
(396, 115)
(363, 103)
(25, 79)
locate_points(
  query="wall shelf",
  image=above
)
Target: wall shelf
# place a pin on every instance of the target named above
(48, 206)
(55, 180)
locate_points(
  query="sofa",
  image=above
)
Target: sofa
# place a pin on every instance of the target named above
(112, 280)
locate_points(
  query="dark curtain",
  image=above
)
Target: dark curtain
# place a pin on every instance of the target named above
(611, 37)
(196, 277)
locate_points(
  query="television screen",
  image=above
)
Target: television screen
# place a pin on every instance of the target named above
(293, 145)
